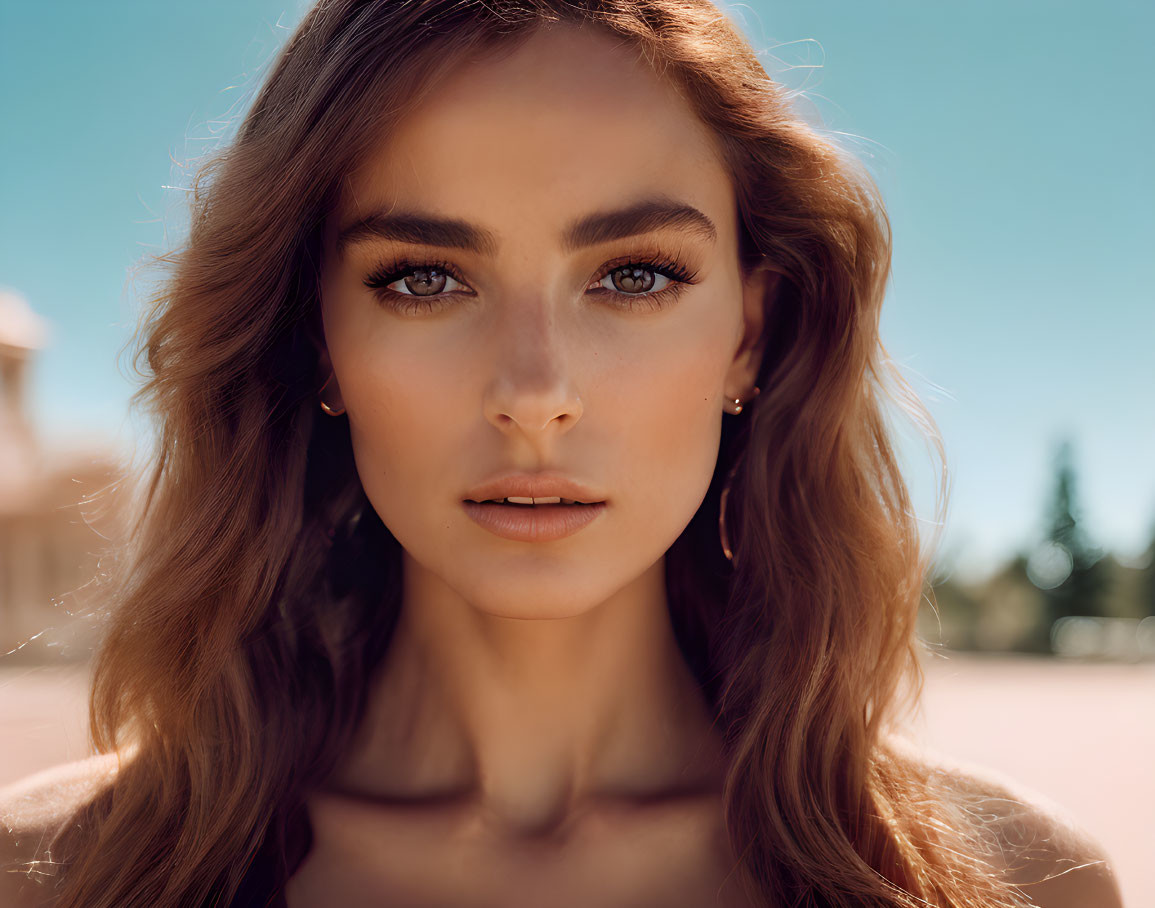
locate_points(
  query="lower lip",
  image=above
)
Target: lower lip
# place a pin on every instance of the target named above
(536, 523)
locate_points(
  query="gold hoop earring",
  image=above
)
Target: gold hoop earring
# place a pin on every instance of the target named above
(722, 534)
(332, 411)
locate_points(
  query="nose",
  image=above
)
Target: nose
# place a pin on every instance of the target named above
(533, 393)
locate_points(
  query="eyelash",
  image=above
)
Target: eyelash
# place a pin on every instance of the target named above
(678, 274)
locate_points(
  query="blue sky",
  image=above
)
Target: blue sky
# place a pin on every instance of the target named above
(1012, 142)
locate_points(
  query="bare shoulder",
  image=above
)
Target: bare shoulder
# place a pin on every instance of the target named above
(31, 812)
(1039, 845)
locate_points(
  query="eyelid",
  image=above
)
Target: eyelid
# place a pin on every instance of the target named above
(393, 271)
(656, 261)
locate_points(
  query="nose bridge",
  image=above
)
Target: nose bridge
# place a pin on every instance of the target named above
(533, 386)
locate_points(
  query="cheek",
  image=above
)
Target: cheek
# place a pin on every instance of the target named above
(403, 413)
(670, 442)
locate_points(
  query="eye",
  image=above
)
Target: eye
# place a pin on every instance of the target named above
(636, 285)
(634, 279)
(406, 279)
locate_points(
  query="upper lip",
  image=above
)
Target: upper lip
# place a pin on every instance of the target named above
(533, 485)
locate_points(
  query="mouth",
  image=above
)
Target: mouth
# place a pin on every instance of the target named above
(533, 519)
(526, 502)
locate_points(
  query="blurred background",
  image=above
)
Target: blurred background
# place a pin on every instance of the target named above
(1011, 141)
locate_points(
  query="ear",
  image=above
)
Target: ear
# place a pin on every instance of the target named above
(759, 289)
(329, 391)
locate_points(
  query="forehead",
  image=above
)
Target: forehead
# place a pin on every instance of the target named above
(571, 120)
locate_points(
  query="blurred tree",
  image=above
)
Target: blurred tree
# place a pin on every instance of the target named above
(1147, 585)
(1013, 611)
(948, 614)
(1066, 567)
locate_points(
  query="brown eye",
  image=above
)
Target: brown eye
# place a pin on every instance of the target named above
(632, 279)
(414, 288)
(643, 285)
(424, 282)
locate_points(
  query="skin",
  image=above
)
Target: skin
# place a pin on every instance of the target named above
(535, 689)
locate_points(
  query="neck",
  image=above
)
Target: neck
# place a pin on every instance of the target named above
(533, 720)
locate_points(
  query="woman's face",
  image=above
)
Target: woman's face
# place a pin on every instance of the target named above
(481, 320)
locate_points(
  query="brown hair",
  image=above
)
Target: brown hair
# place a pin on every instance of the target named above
(260, 589)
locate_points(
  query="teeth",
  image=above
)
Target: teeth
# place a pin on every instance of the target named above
(514, 499)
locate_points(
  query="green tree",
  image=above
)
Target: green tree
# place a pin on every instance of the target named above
(1066, 567)
(1147, 585)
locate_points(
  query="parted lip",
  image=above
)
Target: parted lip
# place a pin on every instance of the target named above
(533, 485)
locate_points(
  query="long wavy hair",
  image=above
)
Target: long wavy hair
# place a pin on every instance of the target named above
(259, 589)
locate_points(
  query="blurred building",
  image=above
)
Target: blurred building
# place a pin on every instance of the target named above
(58, 509)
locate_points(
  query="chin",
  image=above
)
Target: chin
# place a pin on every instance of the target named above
(525, 599)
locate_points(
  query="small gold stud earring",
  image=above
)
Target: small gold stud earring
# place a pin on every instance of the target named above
(736, 407)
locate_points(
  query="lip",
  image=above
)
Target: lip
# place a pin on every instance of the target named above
(536, 523)
(533, 485)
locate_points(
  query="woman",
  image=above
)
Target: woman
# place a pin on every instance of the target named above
(475, 568)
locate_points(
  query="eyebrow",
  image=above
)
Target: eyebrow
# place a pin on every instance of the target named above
(599, 227)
